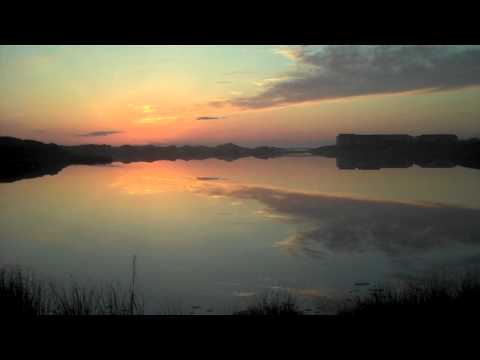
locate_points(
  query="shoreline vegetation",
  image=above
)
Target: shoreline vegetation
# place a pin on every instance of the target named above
(22, 294)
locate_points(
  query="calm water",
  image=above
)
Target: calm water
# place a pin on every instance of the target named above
(211, 233)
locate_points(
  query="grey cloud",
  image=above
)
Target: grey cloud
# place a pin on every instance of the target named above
(210, 117)
(346, 225)
(100, 133)
(343, 71)
(208, 178)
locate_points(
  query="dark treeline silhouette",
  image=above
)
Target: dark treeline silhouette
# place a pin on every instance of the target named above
(22, 159)
(132, 153)
(28, 158)
(373, 152)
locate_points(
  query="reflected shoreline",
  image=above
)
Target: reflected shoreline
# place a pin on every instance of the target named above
(351, 161)
(373, 160)
(25, 159)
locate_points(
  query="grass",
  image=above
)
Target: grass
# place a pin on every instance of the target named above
(435, 295)
(272, 304)
(21, 294)
(76, 300)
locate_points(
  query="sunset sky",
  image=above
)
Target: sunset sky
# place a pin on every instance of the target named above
(249, 95)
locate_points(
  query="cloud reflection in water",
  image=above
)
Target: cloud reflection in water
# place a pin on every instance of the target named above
(348, 225)
(335, 224)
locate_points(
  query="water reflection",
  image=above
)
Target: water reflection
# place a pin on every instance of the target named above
(325, 225)
(349, 225)
(376, 160)
(209, 231)
(328, 224)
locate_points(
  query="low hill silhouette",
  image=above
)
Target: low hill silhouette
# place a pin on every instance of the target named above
(28, 158)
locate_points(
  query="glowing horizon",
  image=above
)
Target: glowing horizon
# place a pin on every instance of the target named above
(249, 95)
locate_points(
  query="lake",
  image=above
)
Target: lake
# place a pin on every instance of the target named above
(212, 233)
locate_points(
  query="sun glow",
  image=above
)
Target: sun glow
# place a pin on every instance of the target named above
(212, 95)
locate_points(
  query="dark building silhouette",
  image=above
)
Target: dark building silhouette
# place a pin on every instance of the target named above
(372, 152)
(350, 140)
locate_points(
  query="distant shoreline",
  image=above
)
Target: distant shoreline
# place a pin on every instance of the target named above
(22, 159)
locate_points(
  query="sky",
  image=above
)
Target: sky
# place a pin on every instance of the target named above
(294, 96)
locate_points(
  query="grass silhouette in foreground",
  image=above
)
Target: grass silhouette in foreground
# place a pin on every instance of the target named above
(272, 303)
(21, 294)
(436, 295)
